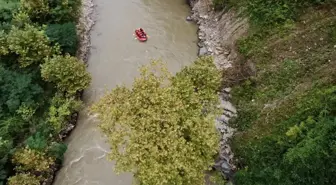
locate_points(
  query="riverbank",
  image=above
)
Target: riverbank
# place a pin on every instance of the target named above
(283, 86)
(218, 33)
(84, 26)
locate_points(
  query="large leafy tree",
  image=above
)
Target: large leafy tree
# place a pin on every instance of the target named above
(30, 44)
(162, 129)
(67, 72)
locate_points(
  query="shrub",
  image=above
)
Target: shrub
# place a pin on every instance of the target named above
(23, 179)
(68, 73)
(37, 142)
(31, 160)
(165, 136)
(60, 110)
(57, 150)
(65, 35)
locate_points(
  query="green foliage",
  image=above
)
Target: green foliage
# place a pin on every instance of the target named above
(25, 114)
(17, 89)
(65, 10)
(31, 160)
(37, 9)
(68, 73)
(30, 44)
(57, 150)
(52, 11)
(65, 35)
(13, 128)
(60, 110)
(6, 11)
(5, 150)
(269, 13)
(23, 179)
(287, 110)
(20, 19)
(37, 142)
(157, 128)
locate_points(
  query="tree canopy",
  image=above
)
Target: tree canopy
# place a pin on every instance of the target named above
(162, 129)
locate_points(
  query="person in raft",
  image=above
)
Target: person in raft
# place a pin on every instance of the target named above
(143, 34)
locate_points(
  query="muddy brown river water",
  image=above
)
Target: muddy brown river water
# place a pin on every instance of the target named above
(115, 59)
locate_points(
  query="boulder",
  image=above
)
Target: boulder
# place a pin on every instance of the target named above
(189, 18)
(202, 51)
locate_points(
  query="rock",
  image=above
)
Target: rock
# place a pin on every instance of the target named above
(226, 105)
(224, 119)
(189, 18)
(225, 167)
(227, 90)
(202, 51)
(204, 16)
(200, 44)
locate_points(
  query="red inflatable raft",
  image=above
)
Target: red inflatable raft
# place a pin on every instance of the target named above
(141, 36)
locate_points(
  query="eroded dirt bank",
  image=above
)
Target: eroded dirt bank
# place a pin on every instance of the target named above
(218, 33)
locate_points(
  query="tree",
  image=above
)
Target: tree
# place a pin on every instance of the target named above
(30, 44)
(65, 35)
(68, 73)
(60, 111)
(23, 179)
(37, 9)
(17, 88)
(158, 129)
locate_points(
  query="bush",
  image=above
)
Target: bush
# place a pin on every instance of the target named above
(65, 35)
(57, 150)
(166, 136)
(29, 160)
(23, 179)
(68, 73)
(37, 142)
(60, 110)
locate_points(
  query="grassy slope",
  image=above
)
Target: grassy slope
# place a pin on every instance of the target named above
(295, 79)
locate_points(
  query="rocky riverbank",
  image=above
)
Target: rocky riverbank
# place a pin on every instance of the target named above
(218, 32)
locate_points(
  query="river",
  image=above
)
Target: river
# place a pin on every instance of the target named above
(115, 58)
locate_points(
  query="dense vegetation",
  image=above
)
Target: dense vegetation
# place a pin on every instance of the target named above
(287, 106)
(162, 129)
(39, 86)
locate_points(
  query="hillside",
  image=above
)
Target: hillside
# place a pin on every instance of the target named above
(284, 88)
